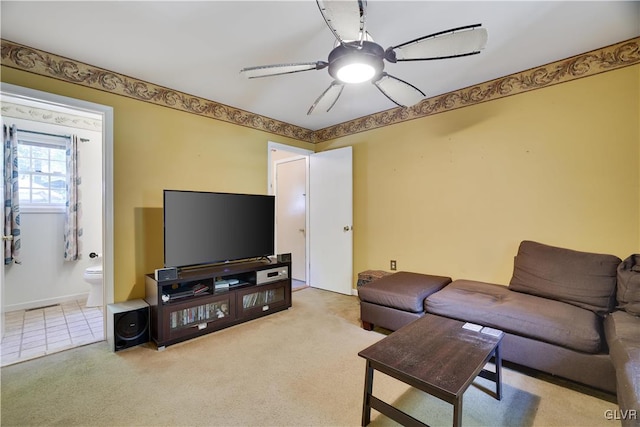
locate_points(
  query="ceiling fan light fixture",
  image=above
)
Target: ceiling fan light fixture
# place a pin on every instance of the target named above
(356, 72)
(355, 62)
(356, 58)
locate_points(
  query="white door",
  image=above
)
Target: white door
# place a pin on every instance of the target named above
(330, 220)
(291, 213)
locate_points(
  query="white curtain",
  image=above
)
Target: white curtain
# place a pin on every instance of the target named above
(72, 226)
(11, 197)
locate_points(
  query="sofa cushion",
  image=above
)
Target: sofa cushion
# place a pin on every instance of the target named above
(585, 279)
(628, 291)
(402, 290)
(526, 315)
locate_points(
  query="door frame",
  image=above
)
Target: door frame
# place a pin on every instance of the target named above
(107, 173)
(298, 153)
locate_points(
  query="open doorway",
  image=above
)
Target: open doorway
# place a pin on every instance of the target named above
(64, 293)
(289, 182)
(328, 203)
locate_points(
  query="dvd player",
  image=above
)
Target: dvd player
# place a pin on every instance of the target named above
(271, 275)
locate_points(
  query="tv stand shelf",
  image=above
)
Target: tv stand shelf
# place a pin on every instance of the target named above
(192, 305)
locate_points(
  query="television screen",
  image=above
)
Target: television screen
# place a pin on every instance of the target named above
(208, 228)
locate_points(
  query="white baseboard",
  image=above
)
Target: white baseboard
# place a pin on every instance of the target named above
(354, 291)
(45, 302)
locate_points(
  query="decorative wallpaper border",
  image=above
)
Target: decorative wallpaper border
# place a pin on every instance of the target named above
(18, 111)
(609, 58)
(601, 60)
(35, 61)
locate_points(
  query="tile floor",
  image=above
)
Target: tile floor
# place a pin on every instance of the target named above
(38, 332)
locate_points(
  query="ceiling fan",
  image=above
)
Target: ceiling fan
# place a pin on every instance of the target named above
(356, 58)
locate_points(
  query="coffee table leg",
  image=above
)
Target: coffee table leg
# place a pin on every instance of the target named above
(498, 363)
(457, 412)
(368, 389)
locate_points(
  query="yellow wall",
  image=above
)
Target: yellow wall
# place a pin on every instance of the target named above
(452, 193)
(456, 192)
(157, 148)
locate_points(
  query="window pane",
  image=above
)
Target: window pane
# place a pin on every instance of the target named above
(58, 183)
(58, 155)
(40, 181)
(24, 194)
(39, 152)
(41, 165)
(24, 151)
(39, 195)
(58, 196)
(58, 167)
(24, 181)
(23, 164)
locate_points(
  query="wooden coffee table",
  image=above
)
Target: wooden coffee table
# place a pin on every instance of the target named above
(436, 355)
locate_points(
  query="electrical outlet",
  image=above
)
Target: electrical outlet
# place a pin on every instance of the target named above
(393, 265)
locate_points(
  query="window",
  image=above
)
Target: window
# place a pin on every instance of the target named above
(42, 171)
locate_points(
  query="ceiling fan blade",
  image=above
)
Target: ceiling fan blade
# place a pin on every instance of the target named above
(345, 19)
(327, 100)
(277, 69)
(400, 92)
(462, 41)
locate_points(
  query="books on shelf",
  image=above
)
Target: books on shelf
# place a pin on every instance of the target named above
(262, 297)
(199, 289)
(199, 314)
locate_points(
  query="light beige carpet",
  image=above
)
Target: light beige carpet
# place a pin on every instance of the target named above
(294, 368)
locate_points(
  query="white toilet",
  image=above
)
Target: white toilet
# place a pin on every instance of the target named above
(93, 276)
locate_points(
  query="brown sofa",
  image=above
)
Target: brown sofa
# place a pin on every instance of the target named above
(559, 313)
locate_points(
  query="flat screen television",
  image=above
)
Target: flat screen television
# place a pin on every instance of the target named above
(203, 228)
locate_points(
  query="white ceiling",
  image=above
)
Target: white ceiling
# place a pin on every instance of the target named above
(200, 47)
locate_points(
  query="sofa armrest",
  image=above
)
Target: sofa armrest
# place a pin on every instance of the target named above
(622, 331)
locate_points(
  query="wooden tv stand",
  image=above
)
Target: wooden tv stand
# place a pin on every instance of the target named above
(192, 305)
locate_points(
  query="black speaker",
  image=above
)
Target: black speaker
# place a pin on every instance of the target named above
(163, 274)
(127, 324)
(284, 257)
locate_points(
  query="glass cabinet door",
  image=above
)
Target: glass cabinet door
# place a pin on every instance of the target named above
(185, 318)
(195, 315)
(257, 300)
(262, 298)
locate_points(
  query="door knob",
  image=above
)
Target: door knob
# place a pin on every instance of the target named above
(9, 237)
(346, 228)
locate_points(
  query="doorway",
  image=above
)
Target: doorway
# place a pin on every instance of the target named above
(61, 303)
(328, 202)
(291, 214)
(288, 180)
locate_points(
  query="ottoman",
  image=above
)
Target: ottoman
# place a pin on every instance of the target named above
(397, 299)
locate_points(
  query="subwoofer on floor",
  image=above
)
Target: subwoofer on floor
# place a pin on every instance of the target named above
(127, 324)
